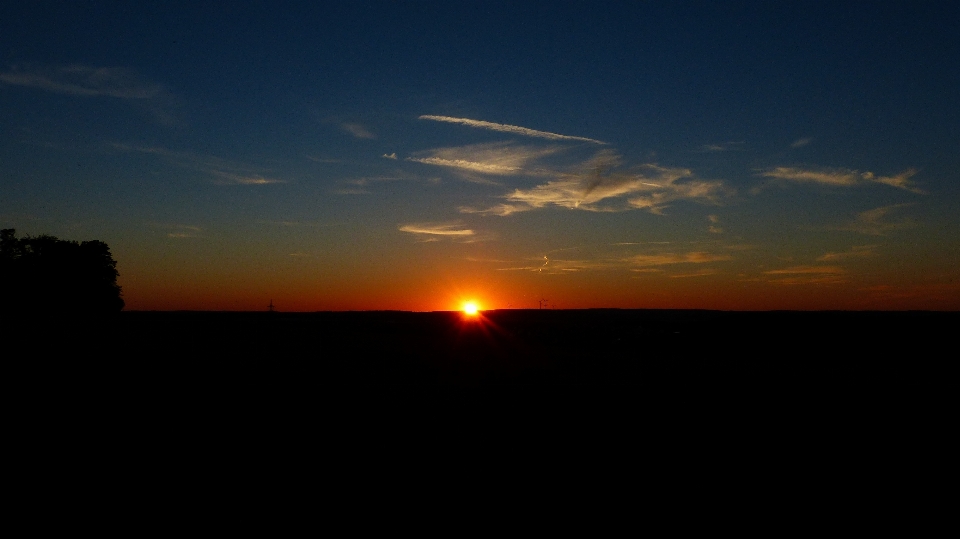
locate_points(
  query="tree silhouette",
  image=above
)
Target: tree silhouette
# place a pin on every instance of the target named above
(44, 274)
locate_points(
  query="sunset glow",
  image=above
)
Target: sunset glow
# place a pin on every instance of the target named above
(430, 156)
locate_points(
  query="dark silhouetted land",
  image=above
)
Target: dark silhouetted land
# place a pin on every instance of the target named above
(509, 347)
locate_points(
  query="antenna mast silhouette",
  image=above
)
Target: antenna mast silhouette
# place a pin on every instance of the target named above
(270, 307)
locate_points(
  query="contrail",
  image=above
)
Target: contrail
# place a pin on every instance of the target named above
(506, 128)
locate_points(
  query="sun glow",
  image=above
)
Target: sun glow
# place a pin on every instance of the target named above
(470, 308)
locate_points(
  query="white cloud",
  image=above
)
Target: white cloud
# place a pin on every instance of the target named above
(802, 270)
(358, 131)
(805, 275)
(722, 147)
(225, 172)
(228, 178)
(714, 228)
(842, 177)
(651, 189)
(700, 273)
(437, 229)
(663, 259)
(499, 158)
(857, 251)
(87, 81)
(505, 128)
(390, 156)
(874, 222)
(801, 142)
(84, 81)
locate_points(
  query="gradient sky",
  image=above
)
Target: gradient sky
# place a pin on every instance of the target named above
(413, 155)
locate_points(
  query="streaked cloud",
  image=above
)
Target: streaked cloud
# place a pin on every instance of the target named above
(722, 147)
(807, 275)
(801, 142)
(357, 130)
(714, 228)
(506, 128)
(700, 273)
(83, 80)
(803, 270)
(437, 229)
(228, 178)
(88, 81)
(390, 156)
(498, 158)
(223, 171)
(857, 251)
(663, 259)
(178, 231)
(875, 222)
(651, 189)
(842, 177)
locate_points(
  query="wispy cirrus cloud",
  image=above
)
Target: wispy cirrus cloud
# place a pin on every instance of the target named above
(651, 189)
(802, 270)
(801, 142)
(857, 251)
(82, 80)
(223, 172)
(699, 273)
(664, 259)
(874, 222)
(715, 227)
(842, 177)
(731, 146)
(804, 275)
(498, 158)
(178, 231)
(357, 130)
(88, 81)
(229, 178)
(506, 128)
(436, 231)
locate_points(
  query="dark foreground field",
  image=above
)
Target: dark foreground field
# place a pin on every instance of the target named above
(527, 347)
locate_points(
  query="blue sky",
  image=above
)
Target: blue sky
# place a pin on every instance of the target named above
(411, 155)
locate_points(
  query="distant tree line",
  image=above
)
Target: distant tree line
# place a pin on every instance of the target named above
(44, 274)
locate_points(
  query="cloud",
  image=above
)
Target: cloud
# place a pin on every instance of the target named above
(803, 270)
(87, 81)
(700, 273)
(437, 229)
(652, 189)
(663, 259)
(178, 231)
(801, 142)
(722, 147)
(83, 81)
(228, 178)
(498, 158)
(357, 130)
(873, 222)
(857, 251)
(505, 128)
(804, 275)
(390, 156)
(714, 228)
(225, 172)
(842, 177)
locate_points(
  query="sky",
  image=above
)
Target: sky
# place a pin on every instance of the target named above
(417, 155)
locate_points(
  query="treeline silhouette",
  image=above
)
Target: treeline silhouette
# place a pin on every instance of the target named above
(45, 274)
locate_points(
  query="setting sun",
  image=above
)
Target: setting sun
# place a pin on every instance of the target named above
(470, 308)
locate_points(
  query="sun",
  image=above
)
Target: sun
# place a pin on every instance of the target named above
(470, 308)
